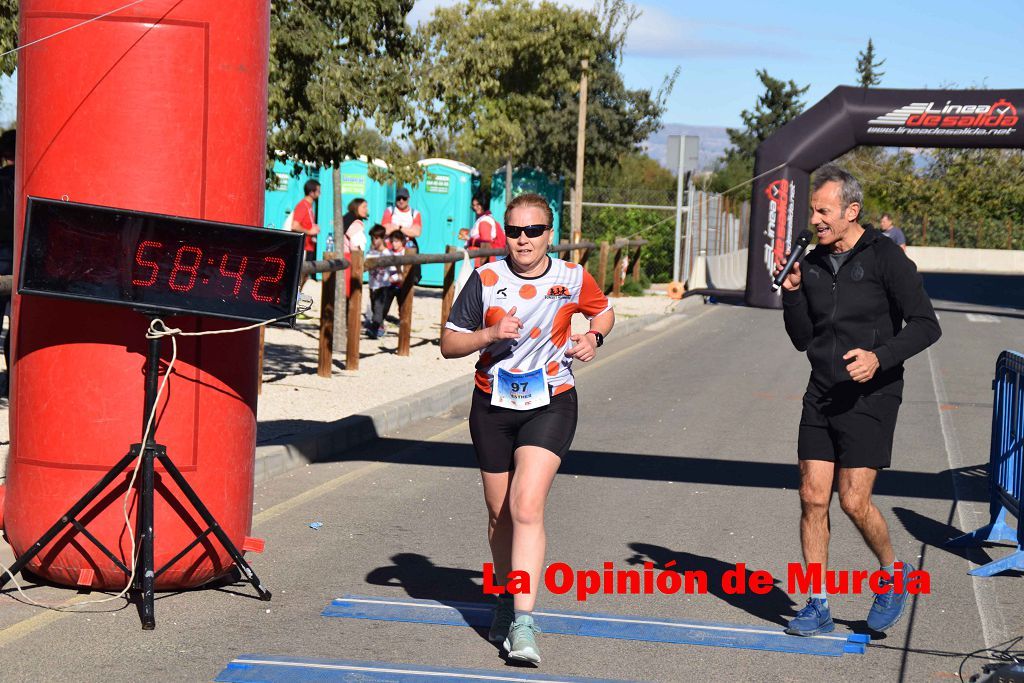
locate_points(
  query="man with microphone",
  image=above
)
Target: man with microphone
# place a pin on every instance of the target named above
(846, 303)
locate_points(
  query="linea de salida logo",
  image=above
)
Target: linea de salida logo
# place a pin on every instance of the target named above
(997, 117)
(780, 221)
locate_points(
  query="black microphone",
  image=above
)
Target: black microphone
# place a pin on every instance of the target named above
(802, 240)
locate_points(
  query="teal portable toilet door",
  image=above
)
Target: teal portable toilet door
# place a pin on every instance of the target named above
(443, 199)
(527, 179)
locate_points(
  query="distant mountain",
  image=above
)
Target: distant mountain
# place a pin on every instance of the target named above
(713, 143)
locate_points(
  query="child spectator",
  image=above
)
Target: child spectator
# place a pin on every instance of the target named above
(382, 282)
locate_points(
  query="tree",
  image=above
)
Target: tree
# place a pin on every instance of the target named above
(334, 64)
(8, 35)
(868, 74)
(634, 178)
(499, 80)
(619, 119)
(779, 104)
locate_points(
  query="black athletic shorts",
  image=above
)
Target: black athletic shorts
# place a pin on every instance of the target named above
(498, 432)
(852, 428)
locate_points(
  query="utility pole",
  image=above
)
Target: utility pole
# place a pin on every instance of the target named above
(581, 144)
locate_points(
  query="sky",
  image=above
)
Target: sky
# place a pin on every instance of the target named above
(720, 45)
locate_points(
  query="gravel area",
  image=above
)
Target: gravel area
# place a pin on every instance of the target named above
(294, 396)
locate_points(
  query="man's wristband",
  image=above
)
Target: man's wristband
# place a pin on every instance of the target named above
(598, 336)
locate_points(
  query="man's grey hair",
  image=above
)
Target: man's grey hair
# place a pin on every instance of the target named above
(849, 188)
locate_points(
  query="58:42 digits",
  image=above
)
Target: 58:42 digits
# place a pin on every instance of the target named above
(190, 266)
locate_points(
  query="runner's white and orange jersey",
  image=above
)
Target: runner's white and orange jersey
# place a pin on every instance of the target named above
(545, 304)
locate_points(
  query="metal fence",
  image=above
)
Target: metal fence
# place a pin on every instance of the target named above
(716, 226)
(1005, 467)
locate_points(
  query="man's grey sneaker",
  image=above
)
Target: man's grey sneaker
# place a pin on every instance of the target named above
(815, 618)
(887, 608)
(504, 613)
(521, 643)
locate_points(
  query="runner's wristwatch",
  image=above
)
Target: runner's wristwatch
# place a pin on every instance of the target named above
(598, 336)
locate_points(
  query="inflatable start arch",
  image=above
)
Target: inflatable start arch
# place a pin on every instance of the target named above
(846, 118)
(160, 107)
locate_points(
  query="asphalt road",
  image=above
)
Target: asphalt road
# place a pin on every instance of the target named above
(685, 452)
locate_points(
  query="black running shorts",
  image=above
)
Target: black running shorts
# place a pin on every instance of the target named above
(852, 429)
(498, 432)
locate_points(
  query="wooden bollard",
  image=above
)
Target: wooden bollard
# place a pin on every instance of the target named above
(405, 297)
(448, 291)
(636, 264)
(620, 253)
(355, 311)
(602, 265)
(325, 353)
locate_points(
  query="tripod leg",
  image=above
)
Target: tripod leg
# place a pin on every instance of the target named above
(145, 569)
(72, 513)
(214, 525)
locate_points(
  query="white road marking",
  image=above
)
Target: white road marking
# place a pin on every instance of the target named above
(993, 626)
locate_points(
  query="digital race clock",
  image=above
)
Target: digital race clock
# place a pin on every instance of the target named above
(158, 263)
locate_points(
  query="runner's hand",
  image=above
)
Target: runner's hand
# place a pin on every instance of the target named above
(864, 367)
(506, 328)
(585, 348)
(792, 281)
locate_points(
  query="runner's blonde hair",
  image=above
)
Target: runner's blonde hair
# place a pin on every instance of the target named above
(533, 201)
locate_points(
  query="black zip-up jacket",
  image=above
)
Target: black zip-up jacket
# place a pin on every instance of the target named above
(863, 306)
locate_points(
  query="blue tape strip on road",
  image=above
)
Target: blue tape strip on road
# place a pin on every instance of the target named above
(601, 626)
(273, 669)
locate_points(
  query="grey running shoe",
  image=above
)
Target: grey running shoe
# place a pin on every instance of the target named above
(502, 621)
(521, 643)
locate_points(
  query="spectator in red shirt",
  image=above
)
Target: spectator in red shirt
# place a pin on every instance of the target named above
(486, 232)
(303, 220)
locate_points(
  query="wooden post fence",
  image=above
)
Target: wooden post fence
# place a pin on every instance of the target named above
(448, 289)
(325, 355)
(356, 266)
(621, 253)
(602, 265)
(405, 297)
(355, 311)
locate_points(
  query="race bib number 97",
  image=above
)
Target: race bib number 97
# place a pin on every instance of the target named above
(520, 390)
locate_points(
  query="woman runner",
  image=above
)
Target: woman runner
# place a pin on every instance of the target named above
(516, 312)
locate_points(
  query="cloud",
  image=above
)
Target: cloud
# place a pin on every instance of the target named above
(661, 34)
(657, 33)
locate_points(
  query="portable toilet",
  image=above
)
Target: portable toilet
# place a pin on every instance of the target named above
(281, 198)
(443, 198)
(287, 191)
(356, 182)
(527, 179)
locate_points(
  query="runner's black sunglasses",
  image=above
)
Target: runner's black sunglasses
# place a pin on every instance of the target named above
(532, 231)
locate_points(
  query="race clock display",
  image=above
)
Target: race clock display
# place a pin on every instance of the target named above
(158, 263)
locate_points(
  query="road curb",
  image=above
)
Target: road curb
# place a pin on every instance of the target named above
(326, 442)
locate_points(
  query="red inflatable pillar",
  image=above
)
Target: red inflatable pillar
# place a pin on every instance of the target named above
(159, 107)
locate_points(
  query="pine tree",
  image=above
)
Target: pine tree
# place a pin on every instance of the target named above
(779, 104)
(868, 74)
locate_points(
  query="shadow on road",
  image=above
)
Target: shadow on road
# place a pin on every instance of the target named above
(420, 578)
(776, 606)
(642, 466)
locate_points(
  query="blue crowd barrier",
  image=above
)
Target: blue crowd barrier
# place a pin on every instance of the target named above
(1005, 467)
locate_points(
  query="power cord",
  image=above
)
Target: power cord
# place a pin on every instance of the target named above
(157, 330)
(1001, 653)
